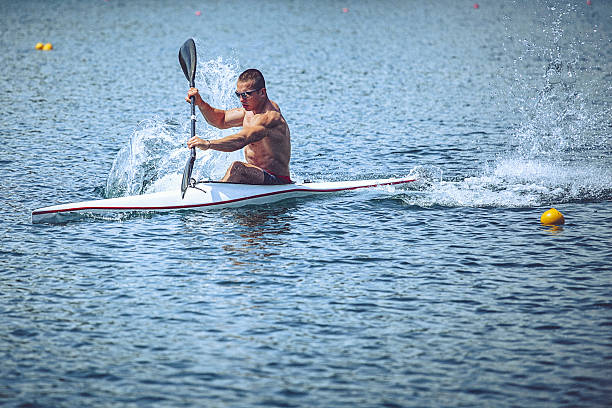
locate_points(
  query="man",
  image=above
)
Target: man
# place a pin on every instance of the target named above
(264, 134)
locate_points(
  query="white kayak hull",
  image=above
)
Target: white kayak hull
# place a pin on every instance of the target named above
(202, 197)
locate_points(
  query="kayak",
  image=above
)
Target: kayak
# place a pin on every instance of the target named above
(203, 196)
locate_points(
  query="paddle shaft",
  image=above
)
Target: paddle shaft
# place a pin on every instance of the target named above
(193, 123)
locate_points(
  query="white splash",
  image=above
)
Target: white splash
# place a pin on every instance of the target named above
(155, 157)
(560, 150)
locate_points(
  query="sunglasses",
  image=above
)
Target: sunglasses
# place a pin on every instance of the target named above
(245, 94)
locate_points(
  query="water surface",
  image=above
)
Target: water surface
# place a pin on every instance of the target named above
(448, 293)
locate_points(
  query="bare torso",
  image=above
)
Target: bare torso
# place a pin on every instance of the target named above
(273, 152)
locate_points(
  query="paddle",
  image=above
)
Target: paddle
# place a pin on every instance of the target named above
(188, 59)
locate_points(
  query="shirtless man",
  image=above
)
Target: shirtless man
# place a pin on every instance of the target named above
(264, 134)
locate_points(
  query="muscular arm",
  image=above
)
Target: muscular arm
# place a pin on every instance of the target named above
(246, 136)
(218, 118)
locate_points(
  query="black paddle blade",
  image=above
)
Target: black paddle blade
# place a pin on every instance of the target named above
(188, 59)
(187, 175)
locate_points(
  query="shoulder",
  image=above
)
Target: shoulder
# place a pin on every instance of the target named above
(269, 119)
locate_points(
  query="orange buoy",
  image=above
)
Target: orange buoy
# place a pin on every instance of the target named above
(552, 217)
(47, 47)
(39, 46)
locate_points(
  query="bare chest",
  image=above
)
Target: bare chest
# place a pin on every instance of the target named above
(249, 119)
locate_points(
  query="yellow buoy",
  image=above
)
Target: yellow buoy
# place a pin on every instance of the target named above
(47, 47)
(552, 217)
(39, 46)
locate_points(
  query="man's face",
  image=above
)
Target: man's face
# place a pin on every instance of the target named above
(252, 99)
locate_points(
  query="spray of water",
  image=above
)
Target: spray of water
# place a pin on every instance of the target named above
(560, 151)
(154, 158)
(142, 161)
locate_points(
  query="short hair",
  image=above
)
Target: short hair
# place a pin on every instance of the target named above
(255, 76)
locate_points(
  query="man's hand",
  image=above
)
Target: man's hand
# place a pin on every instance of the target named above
(199, 143)
(196, 93)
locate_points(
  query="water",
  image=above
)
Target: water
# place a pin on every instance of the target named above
(449, 293)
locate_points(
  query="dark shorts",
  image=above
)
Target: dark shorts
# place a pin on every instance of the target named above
(270, 178)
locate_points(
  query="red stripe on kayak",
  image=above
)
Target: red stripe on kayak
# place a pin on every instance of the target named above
(176, 207)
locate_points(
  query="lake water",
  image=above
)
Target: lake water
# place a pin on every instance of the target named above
(448, 293)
